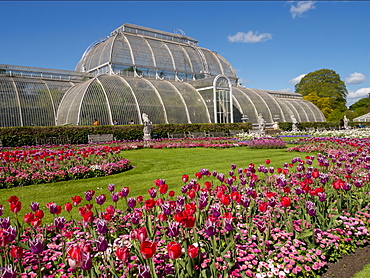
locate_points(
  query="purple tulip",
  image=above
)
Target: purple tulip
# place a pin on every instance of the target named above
(261, 226)
(180, 200)
(228, 224)
(347, 186)
(203, 200)
(5, 223)
(135, 218)
(101, 226)
(34, 206)
(144, 271)
(111, 187)
(173, 229)
(210, 228)
(166, 208)
(310, 206)
(86, 261)
(233, 166)
(59, 222)
(53, 208)
(8, 272)
(322, 196)
(101, 243)
(36, 245)
(100, 199)
(12, 233)
(131, 202)
(152, 192)
(88, 195)
(245, 201)
(221, 177)
(115, 197)
(124, 191)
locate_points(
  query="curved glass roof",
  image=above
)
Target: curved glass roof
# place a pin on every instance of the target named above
(160, 53)
(109, 97)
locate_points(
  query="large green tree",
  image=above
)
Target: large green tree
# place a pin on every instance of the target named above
(326, 90)
(361, 106)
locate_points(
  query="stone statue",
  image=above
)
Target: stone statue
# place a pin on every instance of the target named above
(345, 122)
(148, 126)
(294, 123)
(261, 123)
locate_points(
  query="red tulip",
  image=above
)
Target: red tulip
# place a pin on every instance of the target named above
(149, 204)
(193, 251)
(262, 207)
(148, 249)
(285, 201)
(268, 161)
(88, 216)
(315, 173)
(174, 250)
(198, 175)
(171, 193)
(163, 188)
(74, 255)
(76, 200)
(28, 217)
(279, 170)
(68, 207)
(189, 222)
(13, 199)
(208, 184)
(36, 222)
(191, 194)
(185, 178)
(122, 253)
(110, 209)
(139, 199)
(190, 208)
(16, 252)
(16, 207)
(225, 199)
(141, 234)
(162, 217)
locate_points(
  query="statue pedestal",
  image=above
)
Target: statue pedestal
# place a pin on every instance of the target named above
(147, 137)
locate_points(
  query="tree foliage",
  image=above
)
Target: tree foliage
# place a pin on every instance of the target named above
(325, 89)
(361, 107)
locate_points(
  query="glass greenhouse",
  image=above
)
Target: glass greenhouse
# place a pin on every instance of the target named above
(138, 70)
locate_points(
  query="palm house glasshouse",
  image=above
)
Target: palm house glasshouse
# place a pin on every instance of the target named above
(138, 70)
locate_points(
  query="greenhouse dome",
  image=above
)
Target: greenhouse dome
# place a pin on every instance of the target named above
(136, 70)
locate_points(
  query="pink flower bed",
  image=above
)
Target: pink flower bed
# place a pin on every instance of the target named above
(254, 221)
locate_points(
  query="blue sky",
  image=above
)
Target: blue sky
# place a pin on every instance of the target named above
(270, 44)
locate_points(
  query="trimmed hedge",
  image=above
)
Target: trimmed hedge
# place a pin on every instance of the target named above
(26, 136)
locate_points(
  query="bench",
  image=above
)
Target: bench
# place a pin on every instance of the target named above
(196, 134)
(174, 135)
(100, 138)
(217, 134)
(57, 140)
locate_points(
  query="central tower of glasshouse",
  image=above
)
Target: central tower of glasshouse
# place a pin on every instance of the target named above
(139, 70)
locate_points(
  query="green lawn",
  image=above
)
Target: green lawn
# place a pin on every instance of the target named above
(149, 164)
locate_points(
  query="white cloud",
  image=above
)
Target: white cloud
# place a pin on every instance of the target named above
(355, 78)
(363, 92)
(301, 7)
(250, 37)
(297, 79)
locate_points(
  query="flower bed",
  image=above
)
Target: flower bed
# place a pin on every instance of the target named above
(20, 167)
(251, 222)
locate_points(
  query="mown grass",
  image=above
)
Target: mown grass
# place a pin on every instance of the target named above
(149, 164)
(365, 273)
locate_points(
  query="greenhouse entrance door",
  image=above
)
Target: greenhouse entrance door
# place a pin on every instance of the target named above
(223, 101)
